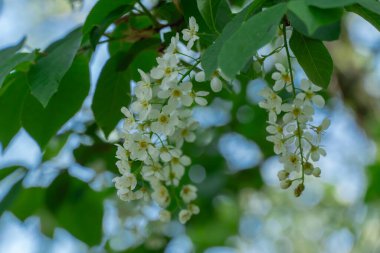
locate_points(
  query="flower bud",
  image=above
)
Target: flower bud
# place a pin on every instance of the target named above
(299, 189)
(285, 184)
(282, 175)
(316, 172)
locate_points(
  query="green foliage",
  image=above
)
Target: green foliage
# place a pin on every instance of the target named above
(326, 4)
(7, 53)
(13, 62)
(43, 123)
(313, 57)
(368, 15)
(312, 17)
(12, 95)
(371, 5)
(113, 89)
(45, 76)
(258, 30)
(215, 13)
(76, 207)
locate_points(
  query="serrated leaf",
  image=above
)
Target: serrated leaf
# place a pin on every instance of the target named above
(370, 16)
(250, 37)
(313, 17)
(12, 97)
(12, 62)
(46, 75)
(371, 5)
(43, 123)
(113, 86)
(326, 4)
(313, 57)
(8, 52)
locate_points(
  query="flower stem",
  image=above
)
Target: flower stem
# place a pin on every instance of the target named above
(294, 95)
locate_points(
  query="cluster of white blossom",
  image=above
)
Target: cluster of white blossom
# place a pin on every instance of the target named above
(158, 122)
(295, 138)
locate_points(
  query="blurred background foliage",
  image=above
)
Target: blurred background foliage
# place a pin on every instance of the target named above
(63, 200)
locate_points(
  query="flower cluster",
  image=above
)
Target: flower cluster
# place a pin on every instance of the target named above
(295, 138)
(158, 122)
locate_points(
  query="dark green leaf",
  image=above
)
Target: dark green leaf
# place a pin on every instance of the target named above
(11, 196)
(250, 37)
(45, 76)
(101, 11)
(113, 86)
(209, 58)
(223, 15)
(54, 146)
(313, 57)
(4, 172)
(8, 52)
(76, 207)
(102, 15)
(326, 4)
(326, 33)
(12, 62)
(371, 5)
(370, 16)
(208, 8)
(43, 123)
(12, 97)
(313, 17)
(167, 11)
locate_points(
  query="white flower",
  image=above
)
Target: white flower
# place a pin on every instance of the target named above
(278, 143)
(185, 133)
(309, 93)
(161, 196)
(129, 122)
(143, 88)
(216, 84)
(184, 216)
(165, 123)
(291, 161)
(173, 175)
(126, 181)
(190, 34)
(272, 103)
(200, 76)
(316, 152)
(173, 46)
(282, 78)
(194, 209)
(165, 216)
(199, 97)
(166, 70)
(142, 107)
(297, 111)
(139, 147)
(178, 94)
(188, 193)
(152, 170)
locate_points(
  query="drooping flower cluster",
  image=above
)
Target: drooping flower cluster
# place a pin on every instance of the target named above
(295, 138)
(158, 122)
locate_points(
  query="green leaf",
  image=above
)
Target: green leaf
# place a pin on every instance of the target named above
(208, 8)
(8, 52)
(371, 5)
(209, 58)
(313, 57)
(43, 123)
(101, 11)
(250, 37)
(102, 15)
(326, 33)
(76, 208)
(45, 76)
(223, 15)
(326, 4)
(113, 86)
(313, 17)
(55, 145)
(7, 66)
(12, 97)
(370, 16)
(5, 172)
